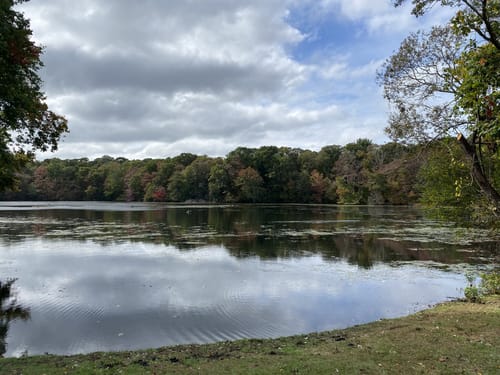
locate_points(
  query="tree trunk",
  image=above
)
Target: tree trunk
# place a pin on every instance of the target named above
(478, 175)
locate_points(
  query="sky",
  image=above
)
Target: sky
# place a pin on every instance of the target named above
(153, 79)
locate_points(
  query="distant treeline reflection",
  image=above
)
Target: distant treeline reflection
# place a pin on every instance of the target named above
(360, 235)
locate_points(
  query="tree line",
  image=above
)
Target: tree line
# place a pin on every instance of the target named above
(357, 173)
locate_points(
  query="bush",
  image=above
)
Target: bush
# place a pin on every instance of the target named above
(472, 292)
(489, 284)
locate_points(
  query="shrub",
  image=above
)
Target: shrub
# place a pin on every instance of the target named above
(489, 284)
(472, 292)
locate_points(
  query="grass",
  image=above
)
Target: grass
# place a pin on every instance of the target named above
(451, 338)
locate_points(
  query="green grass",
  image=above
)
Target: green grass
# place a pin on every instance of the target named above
(452, 338)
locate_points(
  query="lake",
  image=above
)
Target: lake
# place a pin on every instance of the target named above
(80, 277)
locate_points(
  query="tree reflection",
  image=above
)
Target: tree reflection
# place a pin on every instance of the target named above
(10, 310)
(362, 235)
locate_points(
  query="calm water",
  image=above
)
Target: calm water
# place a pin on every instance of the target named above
(99, 276)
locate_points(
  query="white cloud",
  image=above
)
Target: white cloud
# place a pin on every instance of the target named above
(357, 9)
(380, 16)
(149, 78)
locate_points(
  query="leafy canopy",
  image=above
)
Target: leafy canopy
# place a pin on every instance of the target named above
(26, 123)
(479, 93)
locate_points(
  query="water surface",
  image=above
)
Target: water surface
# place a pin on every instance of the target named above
(102, 276)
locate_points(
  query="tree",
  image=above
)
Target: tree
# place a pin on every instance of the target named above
(177, 189)
(352, 168)
(419, 84)
(155, 193)
(26, 123)
(10, 164)
(219, 182)
(114, 186)
(445, 82)
(322, 189)
(478, 16)
(250, 184)
(44, 185)
(134, 190)
(196, 176)
(327, 157)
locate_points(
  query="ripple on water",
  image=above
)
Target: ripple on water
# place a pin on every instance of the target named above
(60, 307)
(236, 316)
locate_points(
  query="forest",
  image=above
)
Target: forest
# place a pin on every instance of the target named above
(357, 173)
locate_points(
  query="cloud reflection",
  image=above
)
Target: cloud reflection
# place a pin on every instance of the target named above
(86, 296)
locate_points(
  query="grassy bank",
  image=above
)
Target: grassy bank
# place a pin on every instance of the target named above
(452, 338)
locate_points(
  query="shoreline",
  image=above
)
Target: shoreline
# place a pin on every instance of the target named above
(451, 337)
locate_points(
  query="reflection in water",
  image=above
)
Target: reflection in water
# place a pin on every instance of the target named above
(362, 235)
(119, 277)
(10, 310)
(88, 297)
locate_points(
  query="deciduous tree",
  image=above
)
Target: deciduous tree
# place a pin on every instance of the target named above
(250, 184)
(26, 123)
(446, 82)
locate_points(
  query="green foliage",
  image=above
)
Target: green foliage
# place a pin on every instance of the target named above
(196, 177)
(377, 187)
(348, 192)
(352, 168)
(178, 189)
(479, 93)
(472, 291)
(26, 123)
(323, 190)
(114, 182)
(219, 182)
(489, 284)
(445, 180)
(327, 157)
(472, 16)
(445, 183)
(446, 82)
(11, 163)
(184, 159)
(249, 182)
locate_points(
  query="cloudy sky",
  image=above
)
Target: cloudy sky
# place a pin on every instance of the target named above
(155, 78)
